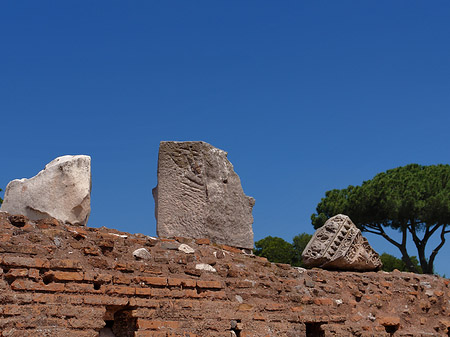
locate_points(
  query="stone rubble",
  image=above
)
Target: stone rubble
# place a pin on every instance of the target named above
(142, 254)
(186, 249)
(206, 267)
(62, 191)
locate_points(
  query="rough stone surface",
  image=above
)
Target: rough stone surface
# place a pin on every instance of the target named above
(200, 196)
(340, 245)
(62, 190)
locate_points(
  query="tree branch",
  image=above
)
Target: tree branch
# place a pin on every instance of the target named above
(428, 233)
(436, 250)
(387, 237)
(373, 232)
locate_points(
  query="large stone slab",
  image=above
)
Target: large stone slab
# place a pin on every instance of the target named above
(200, 196)
(339, 244)
(61, 190)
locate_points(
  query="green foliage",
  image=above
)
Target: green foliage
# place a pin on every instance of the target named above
(299, 243)
(390, 263)
(280, 251)
(413, 199)
(275, 249)
(1, 200)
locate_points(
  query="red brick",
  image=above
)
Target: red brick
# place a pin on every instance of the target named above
(144, 291)
(203, 241)
(121, 290)
(65, 275)
(17, 273)
(258, 317)
(43, 298)
(143, 302)
(245, 307)
(124, 267)
(389, 320)
(82, 288)
(121, 279)
(160, 292)
(154, 281)
(5, 237)
(307, 300)
(230, 249)
(150, 334)
(93, 276)
(104, 300)
(185, 283)
(16, 261)
(65, 264)
(385, 284)
(157, 325)
(274, 307)
(33, 273)
(13, 310)
(296, 309)
(21, 284)
(209, 284)
(143, 313)
(91, 251)
(87, 323)
(244, 284)
(323, 301)
(213, 294)
(191, 293)
(167, 240)
(23, 249)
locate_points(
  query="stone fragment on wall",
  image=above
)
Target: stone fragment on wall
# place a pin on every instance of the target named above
(200, 196)
(61, 190)
(339, 245)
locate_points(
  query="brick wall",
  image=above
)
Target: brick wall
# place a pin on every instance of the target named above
(58, 280)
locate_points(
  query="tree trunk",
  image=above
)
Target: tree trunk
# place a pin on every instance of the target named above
(407, 260)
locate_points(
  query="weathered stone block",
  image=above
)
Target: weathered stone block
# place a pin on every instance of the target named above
(200, 196)
(339, 244)
(62, 190)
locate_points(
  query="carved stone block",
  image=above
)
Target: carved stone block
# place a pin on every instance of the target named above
(339, 245)
(200, 196)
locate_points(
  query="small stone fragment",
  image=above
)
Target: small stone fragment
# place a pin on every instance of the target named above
(62, 190)
(390, 321)
(200, 196)
(57, 242)
(186, 249)
(204, 266)
(309, 283)
(339, 245)
(142, 254)
(169, 246)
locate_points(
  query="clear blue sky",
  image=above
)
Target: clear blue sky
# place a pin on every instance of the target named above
(306, 96)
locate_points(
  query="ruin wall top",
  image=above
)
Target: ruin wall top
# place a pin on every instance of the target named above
(62, 280)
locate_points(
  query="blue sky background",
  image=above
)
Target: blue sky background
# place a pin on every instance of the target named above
(306, 96)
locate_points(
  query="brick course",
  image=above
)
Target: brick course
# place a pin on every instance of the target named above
(91, 281)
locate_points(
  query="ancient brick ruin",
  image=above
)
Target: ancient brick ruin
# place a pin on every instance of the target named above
(62, 280)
